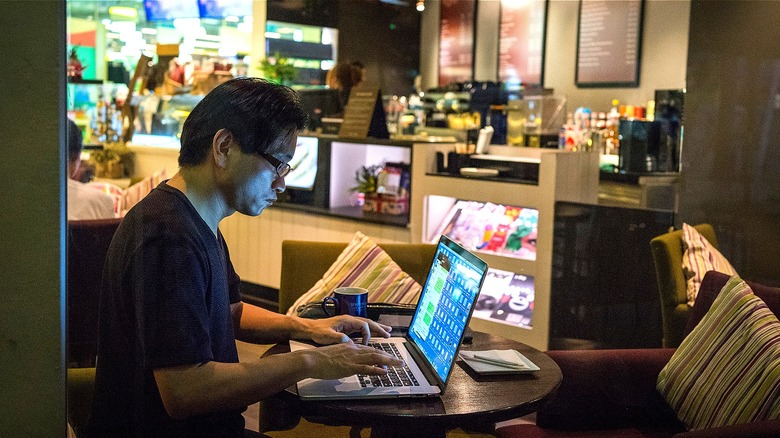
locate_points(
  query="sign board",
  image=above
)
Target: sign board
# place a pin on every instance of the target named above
(456, 41)
(521, 42)
(609, 43)
(364, 115)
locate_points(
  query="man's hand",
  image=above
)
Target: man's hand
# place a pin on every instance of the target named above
(346, 359)
(337, 329)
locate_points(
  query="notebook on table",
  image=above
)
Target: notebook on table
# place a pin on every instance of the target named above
(430, 347)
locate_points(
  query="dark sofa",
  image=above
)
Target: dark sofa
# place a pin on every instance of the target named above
(612, 393)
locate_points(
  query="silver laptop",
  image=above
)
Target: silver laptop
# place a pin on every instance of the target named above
(430, 347)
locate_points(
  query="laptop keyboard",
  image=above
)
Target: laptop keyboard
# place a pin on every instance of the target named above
(396, 376)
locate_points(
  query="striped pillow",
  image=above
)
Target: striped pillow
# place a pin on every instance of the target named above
(727, 370)
(364, 264)
(698, 258)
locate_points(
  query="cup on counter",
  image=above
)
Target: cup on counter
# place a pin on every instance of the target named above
(347, 301)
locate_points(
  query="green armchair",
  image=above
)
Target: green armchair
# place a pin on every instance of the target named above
(667, 254)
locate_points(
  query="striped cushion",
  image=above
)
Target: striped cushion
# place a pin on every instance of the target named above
(364, 264)
(727, 370)
(698, 258)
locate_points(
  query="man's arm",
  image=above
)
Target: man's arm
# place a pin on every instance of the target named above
(196, 389)
(258, 325)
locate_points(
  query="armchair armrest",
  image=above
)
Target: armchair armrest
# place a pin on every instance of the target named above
(609, 389)
(758, 429)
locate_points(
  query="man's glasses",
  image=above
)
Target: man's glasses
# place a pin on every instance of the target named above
(282, 168)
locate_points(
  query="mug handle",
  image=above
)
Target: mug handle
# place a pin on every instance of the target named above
(325, 302)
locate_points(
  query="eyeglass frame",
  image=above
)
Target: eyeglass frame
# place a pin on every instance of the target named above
(282, 169)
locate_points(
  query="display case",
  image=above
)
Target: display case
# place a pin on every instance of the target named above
(327, 210)
(515, 301)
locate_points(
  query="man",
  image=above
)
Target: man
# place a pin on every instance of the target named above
(170, 309)
(84, 202)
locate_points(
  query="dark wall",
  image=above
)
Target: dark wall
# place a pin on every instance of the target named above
(731, 150)
(385, 38)
(32, 219)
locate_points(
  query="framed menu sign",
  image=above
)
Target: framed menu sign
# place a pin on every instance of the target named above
(521, 42)
(609, 43)
(456, 41)
(364, 115)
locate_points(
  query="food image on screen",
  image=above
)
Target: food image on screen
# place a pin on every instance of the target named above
(493, 228)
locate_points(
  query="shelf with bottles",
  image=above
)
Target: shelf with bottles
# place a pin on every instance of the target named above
(88, 103)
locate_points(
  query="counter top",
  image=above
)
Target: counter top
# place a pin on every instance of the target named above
(638, 177)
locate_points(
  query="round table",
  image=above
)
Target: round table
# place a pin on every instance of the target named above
(471, 401)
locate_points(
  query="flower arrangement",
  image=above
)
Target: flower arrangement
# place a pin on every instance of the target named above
(367, 178)
(380, 194)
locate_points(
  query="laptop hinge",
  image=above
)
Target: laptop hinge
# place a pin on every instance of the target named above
(418, 356)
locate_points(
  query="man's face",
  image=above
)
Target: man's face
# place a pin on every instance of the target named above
(253, 182)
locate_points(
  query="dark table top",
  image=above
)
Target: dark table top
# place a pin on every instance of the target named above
(470, 400)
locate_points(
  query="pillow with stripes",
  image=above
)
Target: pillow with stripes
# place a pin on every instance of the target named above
(698, 258)
(364, 264)
(727, 370)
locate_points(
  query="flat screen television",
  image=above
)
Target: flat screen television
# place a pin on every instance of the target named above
(167, 10)
(223, 8)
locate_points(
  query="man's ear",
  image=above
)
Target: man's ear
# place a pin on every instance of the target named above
(220, 145)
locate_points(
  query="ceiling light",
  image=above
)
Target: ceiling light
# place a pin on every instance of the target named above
(420, 5)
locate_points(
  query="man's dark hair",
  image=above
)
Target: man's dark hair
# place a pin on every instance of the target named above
(74, 140)
(255, 111)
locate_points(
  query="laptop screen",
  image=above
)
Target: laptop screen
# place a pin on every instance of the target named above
(445, 304)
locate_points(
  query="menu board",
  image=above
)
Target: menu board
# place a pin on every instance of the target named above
(456, 41)
(521, 42)
(364, 115)
(609, 43)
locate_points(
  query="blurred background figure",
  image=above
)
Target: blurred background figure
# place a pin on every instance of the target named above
(84, 202)
(343, 77)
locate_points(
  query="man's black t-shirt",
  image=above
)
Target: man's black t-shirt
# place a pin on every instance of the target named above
(165, 301)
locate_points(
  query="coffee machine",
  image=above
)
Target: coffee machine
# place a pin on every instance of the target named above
(653, 146)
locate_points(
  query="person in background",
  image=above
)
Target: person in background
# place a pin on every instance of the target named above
(84, 202)
(171, 308)
(343, 77)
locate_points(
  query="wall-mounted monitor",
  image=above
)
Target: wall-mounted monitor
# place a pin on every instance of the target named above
(168, 10)
(456, 41)
(224, 8)
(521, 42)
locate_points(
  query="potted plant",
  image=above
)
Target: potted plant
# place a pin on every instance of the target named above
(278, 69)
(368, 183)
(113, 161)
